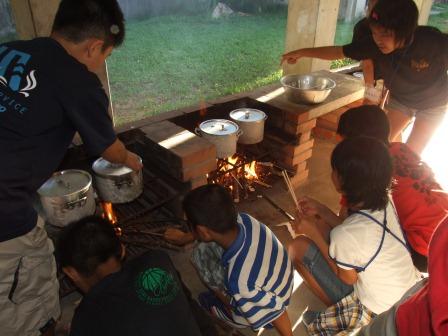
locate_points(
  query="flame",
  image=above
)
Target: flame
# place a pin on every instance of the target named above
(232, 160)
(250, 170)
(108, 212)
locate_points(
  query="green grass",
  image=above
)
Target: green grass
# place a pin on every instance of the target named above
(170, 62)
(439, 20)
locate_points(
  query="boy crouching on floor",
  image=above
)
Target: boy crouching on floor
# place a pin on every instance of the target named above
(243, 263)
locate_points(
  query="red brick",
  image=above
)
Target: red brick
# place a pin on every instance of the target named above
(195, 171)
(327, 125)
(291, 128)
(198, 182)
(334, 115)
(186, 147)
(356, 103)
(293, 151)
(322, 133)
(293, 161)
(299, 178)
(304, 137)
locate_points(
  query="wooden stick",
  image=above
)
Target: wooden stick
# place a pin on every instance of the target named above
(290, 188)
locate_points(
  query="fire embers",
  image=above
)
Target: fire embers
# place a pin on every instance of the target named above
(109, 214)
(239, 175)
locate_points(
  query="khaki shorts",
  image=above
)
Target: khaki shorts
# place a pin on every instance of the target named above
(29, 290)
(433, 113)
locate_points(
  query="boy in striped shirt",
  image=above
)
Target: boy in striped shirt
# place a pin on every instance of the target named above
(241, 261)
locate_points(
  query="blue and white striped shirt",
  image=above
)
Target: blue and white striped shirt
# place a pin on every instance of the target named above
(259, 274)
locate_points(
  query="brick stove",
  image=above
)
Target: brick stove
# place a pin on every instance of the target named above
(177, 160)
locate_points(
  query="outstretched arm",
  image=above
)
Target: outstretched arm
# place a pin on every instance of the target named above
(326, 53)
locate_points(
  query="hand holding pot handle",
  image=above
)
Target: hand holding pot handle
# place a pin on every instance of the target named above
(133, 161)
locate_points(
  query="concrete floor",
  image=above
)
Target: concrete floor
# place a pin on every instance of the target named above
(318, 186)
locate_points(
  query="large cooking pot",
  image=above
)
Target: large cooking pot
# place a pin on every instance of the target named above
(222, 133)
(251, 122)
(117, 183)
(67, 197)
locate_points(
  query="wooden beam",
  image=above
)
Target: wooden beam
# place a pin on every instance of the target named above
(23, 18)
(424, 9)
(311, 23)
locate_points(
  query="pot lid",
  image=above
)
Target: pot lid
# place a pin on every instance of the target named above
(65, 182)
(219, 127)
(105, 168)
(247, 115)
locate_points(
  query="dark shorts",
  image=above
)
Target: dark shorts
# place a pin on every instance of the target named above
(316, 264)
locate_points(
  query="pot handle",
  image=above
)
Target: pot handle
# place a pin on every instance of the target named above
(78, 203)
(239, 133)
(197, 131)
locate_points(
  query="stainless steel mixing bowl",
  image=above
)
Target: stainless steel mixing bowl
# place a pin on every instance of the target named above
(307, 89)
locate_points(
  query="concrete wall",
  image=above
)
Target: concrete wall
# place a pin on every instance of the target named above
(311, 23)
(424, 8)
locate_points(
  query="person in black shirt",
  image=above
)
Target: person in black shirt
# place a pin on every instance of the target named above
(48, 92)
(361, 31)
(413, 61)
(144, 296)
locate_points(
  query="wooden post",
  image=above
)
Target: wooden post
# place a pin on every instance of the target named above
(311, 23)
(34, 18)
(424, 9)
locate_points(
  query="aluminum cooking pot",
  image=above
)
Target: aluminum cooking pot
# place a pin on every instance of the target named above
(117, 183)
(67, 197)
(222, 133)
(251, 122)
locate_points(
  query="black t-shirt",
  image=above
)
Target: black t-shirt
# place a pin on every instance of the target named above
(417, 74)
(145, 298)
(362, 32)
(46, 96)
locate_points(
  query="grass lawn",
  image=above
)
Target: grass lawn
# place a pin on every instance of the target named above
(170, 62)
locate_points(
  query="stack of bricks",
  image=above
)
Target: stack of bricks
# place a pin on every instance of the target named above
(292, 144)
(327, 124)
(179, 152)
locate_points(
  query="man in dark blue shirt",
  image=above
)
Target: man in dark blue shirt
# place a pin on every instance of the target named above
(48, 92)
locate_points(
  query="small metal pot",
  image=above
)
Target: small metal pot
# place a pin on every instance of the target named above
(222, 133)
(67, 197)
(251, 122)
(116, 183)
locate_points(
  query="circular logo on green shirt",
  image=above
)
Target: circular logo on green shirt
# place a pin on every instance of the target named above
(156, 287)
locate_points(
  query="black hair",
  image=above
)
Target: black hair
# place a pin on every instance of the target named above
(86, 244)
(78, 20)
(365, 120)
(400, 16)
(364, 169)
(211, 206)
